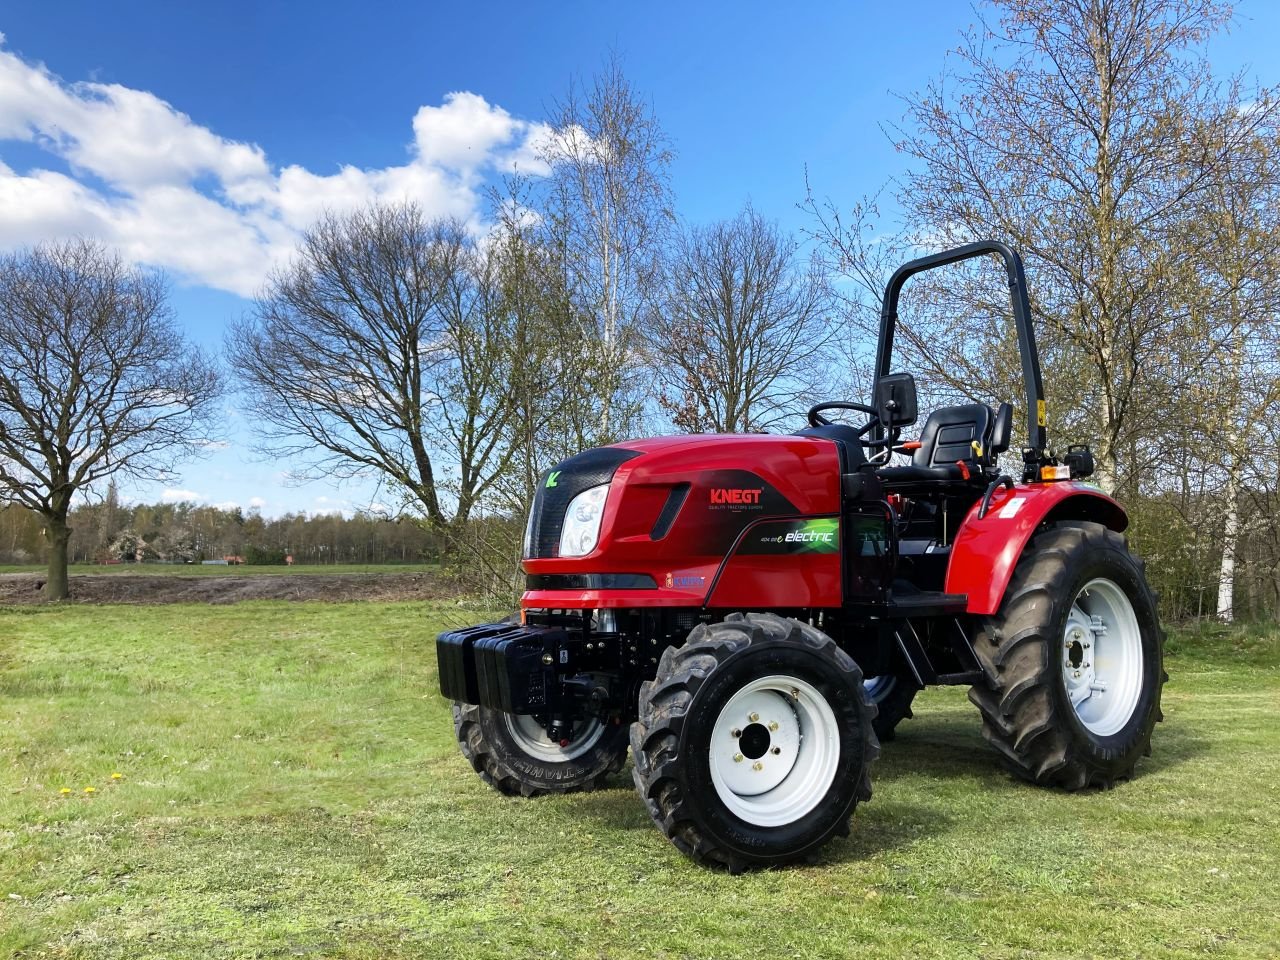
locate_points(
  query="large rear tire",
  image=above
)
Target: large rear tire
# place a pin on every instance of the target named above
(514, 755)
(1076, 661)
(754, 742)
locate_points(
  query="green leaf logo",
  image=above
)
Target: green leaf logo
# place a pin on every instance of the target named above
(551, 478)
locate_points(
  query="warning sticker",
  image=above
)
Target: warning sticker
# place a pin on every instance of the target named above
(1011, 508)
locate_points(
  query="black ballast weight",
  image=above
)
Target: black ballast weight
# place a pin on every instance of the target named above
(497, 665)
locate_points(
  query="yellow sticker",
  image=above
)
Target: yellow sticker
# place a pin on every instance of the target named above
(1041, 418)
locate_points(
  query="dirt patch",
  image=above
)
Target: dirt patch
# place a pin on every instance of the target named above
(140, 588)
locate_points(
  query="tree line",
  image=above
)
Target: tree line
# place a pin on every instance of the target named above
(180, 533)
(453, 365)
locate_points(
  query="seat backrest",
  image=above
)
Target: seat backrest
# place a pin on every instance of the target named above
(949, 433)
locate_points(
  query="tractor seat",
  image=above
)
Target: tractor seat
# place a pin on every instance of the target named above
(947, 441)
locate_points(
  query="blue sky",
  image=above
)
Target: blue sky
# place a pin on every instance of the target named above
(137, 121)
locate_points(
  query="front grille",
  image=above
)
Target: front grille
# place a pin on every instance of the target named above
(588, 469)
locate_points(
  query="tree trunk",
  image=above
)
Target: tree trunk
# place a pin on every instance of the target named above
(1230, 537)
(59, 535)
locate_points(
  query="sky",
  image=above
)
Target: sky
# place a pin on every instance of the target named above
(200, 139)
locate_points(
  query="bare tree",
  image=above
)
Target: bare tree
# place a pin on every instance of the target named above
(375, 354)
(605, 207)
(554, 407)
(1234, 387)
(1142, 192)
(95, 381)
(1084, 132)
(737, 328)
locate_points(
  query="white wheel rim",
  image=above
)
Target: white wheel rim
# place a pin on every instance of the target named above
(531, 737)
(878, 688)
(774, 751)
(1101, 658)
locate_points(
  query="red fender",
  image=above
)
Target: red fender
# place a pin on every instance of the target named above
(985, 551)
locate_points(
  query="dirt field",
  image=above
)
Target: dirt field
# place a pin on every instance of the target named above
(170, 588)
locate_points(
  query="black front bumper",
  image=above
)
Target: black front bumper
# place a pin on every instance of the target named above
(499, 665)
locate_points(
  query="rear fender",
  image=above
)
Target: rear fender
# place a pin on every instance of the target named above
(986, 550)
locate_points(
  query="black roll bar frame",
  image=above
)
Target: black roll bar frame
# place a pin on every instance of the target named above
(1037, 434)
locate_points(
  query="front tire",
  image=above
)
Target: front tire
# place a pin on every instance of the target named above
(754, 742)
(1075, 658)
(514, 755)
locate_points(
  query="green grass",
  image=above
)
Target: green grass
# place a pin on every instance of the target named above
(291, 787)
(212, 570)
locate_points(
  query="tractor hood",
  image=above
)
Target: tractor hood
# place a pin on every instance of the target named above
(671, 509)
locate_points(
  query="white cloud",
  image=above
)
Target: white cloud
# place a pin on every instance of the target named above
(257, 503)
(227, 505)
(171, 193)
(170, 495)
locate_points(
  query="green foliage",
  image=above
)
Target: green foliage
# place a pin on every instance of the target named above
(1238, 644)
(181, 532)
(228, 570)
(291, 787)
(265, 556)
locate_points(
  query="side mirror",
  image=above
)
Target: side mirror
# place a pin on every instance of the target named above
(1002, 430)
(895, 400)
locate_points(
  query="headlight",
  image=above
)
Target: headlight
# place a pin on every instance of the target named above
(581, 527)
(528, 534)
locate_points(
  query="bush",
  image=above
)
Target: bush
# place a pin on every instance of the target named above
(264, 557)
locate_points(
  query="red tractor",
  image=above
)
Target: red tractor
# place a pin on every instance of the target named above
(753, 614)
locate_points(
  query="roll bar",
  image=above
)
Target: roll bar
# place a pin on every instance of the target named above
(1037, 436)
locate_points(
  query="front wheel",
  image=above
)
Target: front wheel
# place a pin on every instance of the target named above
(754, 742)
(514, 755)
(1076, 661)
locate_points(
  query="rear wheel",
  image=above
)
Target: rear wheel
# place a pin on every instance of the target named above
(754, 742)
(1076, 653)
(514, 755)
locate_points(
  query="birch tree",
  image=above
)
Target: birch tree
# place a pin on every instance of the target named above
(606, 208)
(1236, 359)
(1083, 132)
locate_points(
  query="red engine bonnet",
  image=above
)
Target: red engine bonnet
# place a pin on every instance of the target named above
(735, 482)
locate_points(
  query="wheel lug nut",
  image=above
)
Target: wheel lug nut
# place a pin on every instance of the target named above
(737, 758)
(776, 750)
(757, 766)
(735, 733)
(755, 717)
(774, 726)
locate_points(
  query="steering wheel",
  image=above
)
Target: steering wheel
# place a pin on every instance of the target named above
(816, 419)
(883, 444)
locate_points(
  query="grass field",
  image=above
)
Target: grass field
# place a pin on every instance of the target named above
(239, 570)
(289, 787)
